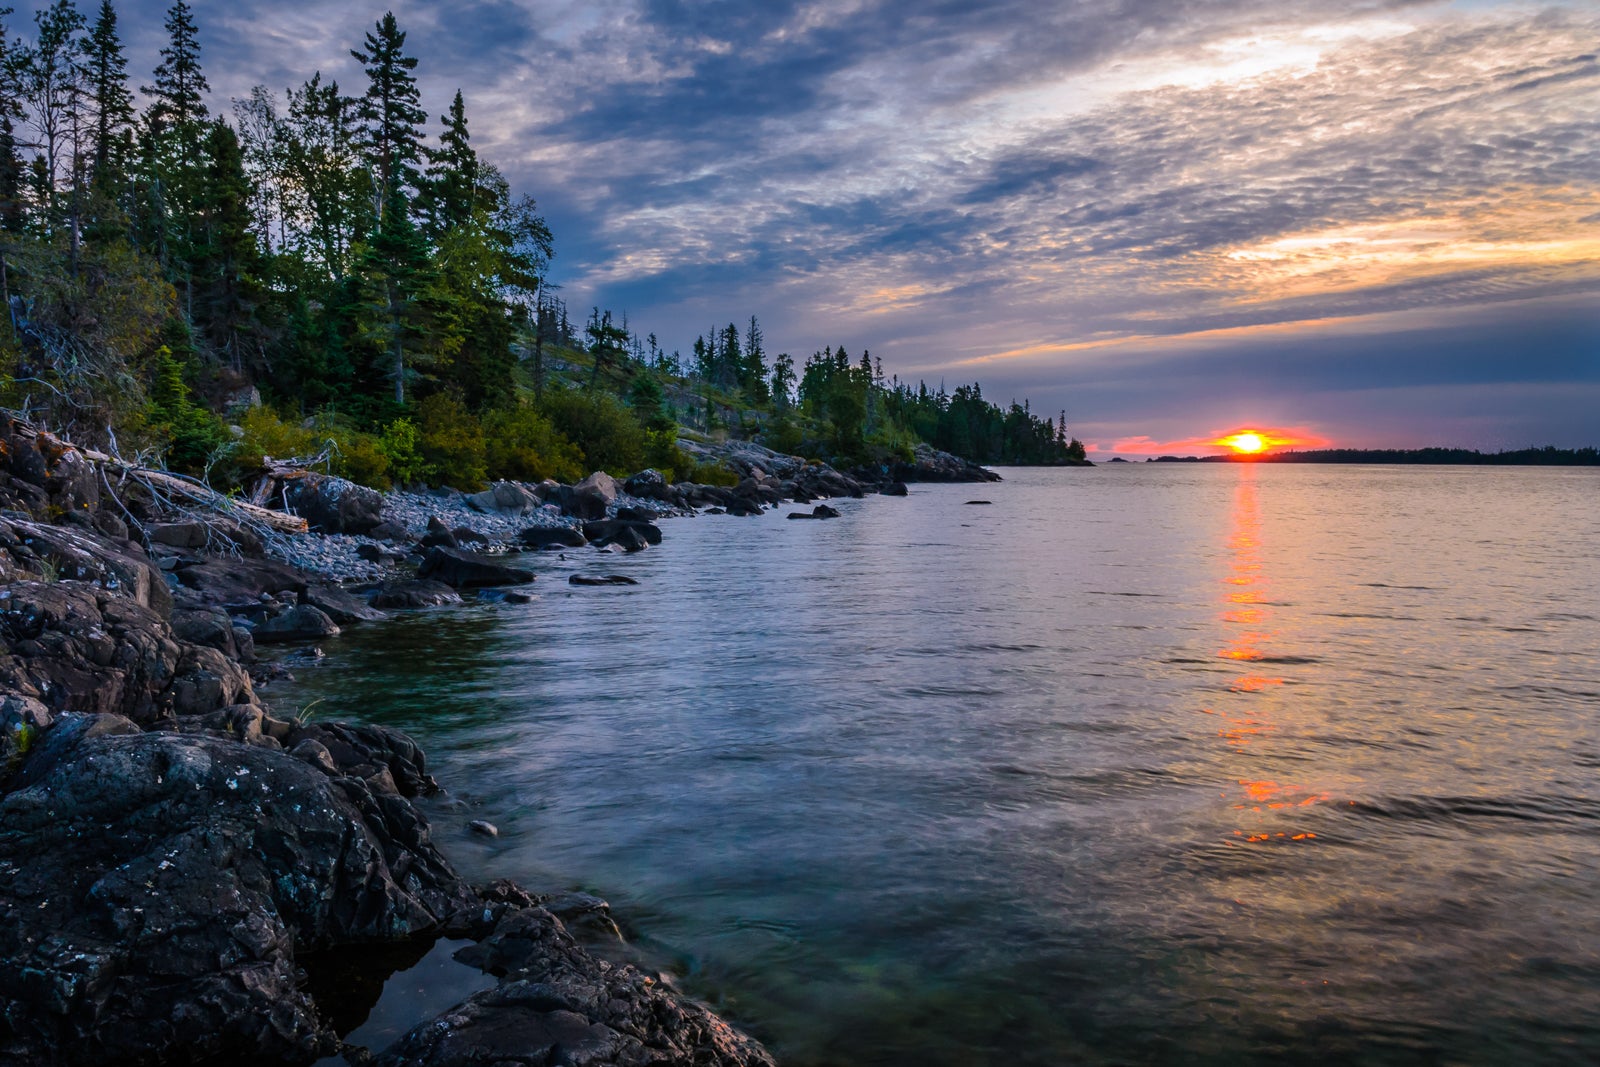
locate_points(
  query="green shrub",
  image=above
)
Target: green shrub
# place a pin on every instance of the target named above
(711, 474)
(523, 445)
(265, 434)
(192, 436)
(603, 429)
(398, 443)
(360, 457)
(451, 442)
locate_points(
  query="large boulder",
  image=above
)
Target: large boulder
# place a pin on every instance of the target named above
(342, 607)
(552, 537)
(504, 498)
(553, 1005)
(590, 499)
(333, 505)
(231, 583)
(604, 532)
(300, 623)
(646, 485)
(80, 554)
(159, 887)
(76, 647)
(461, 569)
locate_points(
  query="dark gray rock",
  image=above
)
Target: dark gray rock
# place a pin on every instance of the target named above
(232, 583)
(601, 579)
(647, 485)
(553, 1005)
(300, 623)
(895, 489)
(389, 530)
(168, 882)
(179, 534)
(552, 537)
(821, 511)
(76, 647)
(414, 594)
(606, 531)
(342, 607)
(333, 505)
(469, 570)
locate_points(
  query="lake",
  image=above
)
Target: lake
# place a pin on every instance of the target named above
(1149, 763)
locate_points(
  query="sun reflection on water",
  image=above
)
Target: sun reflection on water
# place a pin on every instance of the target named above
(1247, 618)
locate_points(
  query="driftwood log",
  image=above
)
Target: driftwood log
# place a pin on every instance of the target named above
(195, 493)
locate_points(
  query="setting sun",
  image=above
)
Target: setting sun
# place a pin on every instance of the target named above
(1246, 442)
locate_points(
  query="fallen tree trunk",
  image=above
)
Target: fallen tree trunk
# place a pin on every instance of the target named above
(201, 494)
(190, 490)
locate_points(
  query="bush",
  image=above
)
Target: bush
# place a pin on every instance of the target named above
(192, 436)
(360, 457)
(451, 443)
(605, 431)
(398, 443)
(523, 445)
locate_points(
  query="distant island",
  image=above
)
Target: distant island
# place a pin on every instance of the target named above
(1548, 456)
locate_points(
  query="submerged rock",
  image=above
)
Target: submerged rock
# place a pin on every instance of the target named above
(602, 579)
(414, 594)
(555, 1004)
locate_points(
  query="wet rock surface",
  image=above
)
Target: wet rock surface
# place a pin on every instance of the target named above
(462, 569)
(157, 886)
(557, 1004)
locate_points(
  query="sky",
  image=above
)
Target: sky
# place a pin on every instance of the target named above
(1367, 223)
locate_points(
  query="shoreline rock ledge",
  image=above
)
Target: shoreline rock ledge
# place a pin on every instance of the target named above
(172, 855)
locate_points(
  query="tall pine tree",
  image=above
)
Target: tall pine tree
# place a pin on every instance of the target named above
(391, 111)
(450, 192)
(110, 102)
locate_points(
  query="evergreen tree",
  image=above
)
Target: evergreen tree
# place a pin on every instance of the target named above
(178, 114)
(394, 118)
(450, 192)
(111, 103)
(226, 263)
(753, 364)
(175, 130)
(393, 272)
(327, 190)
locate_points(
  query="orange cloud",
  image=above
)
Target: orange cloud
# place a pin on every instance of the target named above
(1274, 438)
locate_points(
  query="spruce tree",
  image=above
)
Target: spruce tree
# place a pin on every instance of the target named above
(13, 206)
(175, 128)
(391, 110)
(226, 256)
(178, 114)
(111, 102)
(451, 189)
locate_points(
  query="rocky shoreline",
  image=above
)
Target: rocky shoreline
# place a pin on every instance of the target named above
(171, 852)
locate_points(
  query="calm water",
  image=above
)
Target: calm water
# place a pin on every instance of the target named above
(1141, 764)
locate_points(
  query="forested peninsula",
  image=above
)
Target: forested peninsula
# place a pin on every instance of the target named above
(317, 272)
(268, 375)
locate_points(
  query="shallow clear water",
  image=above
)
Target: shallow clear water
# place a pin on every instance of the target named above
(1145, 763)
